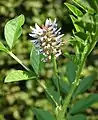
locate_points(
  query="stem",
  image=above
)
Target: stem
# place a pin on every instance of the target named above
(56, 73)
(18, 60)
(73, 87)
(45, 88)
(51, 97)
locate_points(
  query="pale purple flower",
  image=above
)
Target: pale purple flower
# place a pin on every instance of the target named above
(47, 39)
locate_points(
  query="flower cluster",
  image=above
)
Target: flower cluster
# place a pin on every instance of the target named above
(47, 39)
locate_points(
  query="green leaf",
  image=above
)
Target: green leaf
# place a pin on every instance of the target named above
(84, 5)
(89, 22)
(64, 85)
(13, 30)
(36, 60)
(81, 35)
(84, 103)
(77, 27)
(84, 85)
(94, 4)
(74, 10)
(43, 115)
(18, 75)
(2, 47)
(96, 21)
(96, 32)
(55, 95)
(77, 117)
(79, 45)
(79, 4)
(71, 71)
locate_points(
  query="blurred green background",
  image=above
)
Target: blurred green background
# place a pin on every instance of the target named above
(17, 99)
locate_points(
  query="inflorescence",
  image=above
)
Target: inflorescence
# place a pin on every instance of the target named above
(47, 39)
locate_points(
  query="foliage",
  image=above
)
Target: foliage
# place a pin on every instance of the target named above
(17, 98)
(71, 84)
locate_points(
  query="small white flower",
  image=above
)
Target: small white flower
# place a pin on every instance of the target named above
(47, 39)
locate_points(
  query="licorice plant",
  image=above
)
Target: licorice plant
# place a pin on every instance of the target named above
(46, 47)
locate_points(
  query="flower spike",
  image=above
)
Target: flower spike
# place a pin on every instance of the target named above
(47, 39)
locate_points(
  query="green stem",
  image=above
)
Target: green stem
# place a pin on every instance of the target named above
(51, 97)
(45, 88)
(56, 73)
(18, 60)
(73, 87)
